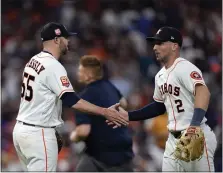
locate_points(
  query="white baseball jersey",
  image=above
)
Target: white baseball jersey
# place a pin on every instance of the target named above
(175, 87)
(44, 82)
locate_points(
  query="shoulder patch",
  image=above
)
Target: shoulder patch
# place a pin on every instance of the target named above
(65, 81)
(195, 75)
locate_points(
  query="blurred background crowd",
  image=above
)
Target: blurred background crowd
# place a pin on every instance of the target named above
(115, 31)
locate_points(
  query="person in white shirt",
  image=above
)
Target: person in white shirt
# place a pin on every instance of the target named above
(45, 88)
(180, 91)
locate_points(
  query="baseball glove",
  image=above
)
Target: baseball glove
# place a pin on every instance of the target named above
(191, 145)
(59, 141)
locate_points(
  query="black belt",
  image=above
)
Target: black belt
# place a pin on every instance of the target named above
(35, 125)
(176, 134)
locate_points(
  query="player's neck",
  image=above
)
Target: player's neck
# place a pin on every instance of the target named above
(170, 62)
(54, 53)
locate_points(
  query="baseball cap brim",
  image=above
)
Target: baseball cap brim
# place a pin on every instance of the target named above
(72, 33)
(69, 34)
(152, 39)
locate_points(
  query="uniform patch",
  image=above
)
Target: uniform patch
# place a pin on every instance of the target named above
(65, 81)
(195, 75)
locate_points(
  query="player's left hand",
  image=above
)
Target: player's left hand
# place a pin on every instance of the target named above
(191, 144)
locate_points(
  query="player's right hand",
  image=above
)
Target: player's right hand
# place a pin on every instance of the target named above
(115, 117)
(123, 113)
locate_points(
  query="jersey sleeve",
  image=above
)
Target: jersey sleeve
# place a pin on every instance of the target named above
(157, 95)
(189, 76)
(58, 82)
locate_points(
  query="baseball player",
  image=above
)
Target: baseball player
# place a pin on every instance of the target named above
(180, 91)
(45, 88)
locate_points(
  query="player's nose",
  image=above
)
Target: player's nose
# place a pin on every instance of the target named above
(155, 47)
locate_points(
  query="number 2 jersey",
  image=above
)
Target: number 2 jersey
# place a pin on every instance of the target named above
(44, 82)
(175, 87)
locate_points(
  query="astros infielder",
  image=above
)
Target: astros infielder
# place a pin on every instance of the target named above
(45, 87)
(175, 87)
(180, 91)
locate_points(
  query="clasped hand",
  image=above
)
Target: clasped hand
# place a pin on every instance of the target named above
(123, 113)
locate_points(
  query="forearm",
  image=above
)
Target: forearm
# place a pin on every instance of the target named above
(149, 111)
(202, 97)
(84, 106)
(201, 103)
(72, 100)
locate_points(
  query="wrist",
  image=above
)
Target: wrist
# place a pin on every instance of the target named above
(197, 117)
(103, 111)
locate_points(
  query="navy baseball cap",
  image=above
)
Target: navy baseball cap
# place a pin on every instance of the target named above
(52, 30)
(167, 34)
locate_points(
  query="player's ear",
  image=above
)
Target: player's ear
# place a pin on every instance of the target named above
(174, 47)
(56, 40)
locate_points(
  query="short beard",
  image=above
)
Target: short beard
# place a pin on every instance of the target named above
(164, 60)
(64, 51)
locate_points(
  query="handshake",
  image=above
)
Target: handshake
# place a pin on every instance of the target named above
(116, 116)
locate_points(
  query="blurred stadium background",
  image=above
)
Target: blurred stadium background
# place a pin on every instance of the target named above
(115, 31)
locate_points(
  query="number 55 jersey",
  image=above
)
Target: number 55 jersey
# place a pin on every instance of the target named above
(175, 87)
(44, 82)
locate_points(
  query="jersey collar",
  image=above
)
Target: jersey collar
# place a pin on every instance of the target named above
(174, 63)
(44, 51)
(47, 52)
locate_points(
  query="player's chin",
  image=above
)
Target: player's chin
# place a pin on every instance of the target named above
(158, 58)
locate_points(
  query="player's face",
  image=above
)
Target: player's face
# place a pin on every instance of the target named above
(84, 74)
(63, 45)
(162, 51)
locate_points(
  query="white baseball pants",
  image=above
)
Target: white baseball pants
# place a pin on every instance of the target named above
(205, 164)
(36, 147)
